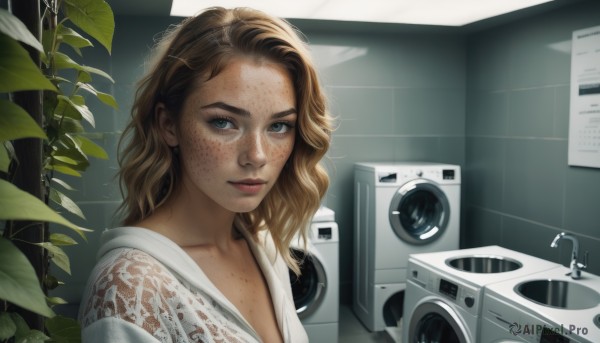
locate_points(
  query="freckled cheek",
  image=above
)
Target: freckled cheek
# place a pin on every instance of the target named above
(280, 152)
(205, 155)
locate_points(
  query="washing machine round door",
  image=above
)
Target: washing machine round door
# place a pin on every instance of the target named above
(308, 289)
(419, 212)
(435, 322)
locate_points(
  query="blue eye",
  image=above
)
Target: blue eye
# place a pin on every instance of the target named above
(281, 127)
(221, 123)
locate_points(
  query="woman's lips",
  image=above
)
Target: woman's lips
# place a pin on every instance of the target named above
(249, 186)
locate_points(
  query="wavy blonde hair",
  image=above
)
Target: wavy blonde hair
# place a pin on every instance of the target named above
(201, 46)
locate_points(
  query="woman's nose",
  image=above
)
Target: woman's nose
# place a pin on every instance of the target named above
(253, 150)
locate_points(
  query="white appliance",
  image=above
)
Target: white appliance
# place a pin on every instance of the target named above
(400, 209)
(316, 291)
(506, 315)
(444, 290)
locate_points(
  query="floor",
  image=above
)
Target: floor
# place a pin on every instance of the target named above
(351, 329)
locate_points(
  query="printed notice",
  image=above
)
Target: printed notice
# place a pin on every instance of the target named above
(584, 119)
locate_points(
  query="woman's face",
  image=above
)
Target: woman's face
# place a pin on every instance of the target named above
(235, 133)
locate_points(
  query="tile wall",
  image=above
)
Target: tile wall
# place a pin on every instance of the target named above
(520, 191)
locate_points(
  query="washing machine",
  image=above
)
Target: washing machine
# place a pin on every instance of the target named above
(400, 209)
(316, 290)
(444, 290)
(522, 310)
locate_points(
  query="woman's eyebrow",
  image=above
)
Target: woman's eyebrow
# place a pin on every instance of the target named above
(285, 113)
(244, 113)
(228, 108)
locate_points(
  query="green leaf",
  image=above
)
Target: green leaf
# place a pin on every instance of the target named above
(51, 282)
(96, 71)
(18, 72)
(56, 301)
(90, 148)
(16, 204)
(18, 280)
(16, 123)
(14, 28)
(105, 98)
(65, 170)
(58, 256)
(65, 202)
(69, 154)
(65, 159)
(33, 336)
(78, 102)
(63, 184)
(62, 61)
(4, 159)
(63, 329)
(47, 40)
(71, 125)
(75, 104)
(84, 77)
(58, 79)
(8, 328)
(22, 327)
(64, 110)
(108, 99)
(60, 239)
(24, 334)
(94, 17)
(72, 38)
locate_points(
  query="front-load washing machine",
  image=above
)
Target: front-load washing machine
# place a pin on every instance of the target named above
(316, 290)
(445, 290)
(400, 209)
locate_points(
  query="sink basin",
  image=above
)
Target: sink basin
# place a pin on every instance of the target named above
(484, 264)
(568, 295)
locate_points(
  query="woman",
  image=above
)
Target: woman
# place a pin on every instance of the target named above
(221, 171)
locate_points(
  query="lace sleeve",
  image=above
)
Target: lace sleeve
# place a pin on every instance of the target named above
(132, 286)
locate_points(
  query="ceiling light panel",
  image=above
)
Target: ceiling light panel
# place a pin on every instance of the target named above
(426, 12)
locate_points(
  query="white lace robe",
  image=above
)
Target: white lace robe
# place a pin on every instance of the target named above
(145, 288)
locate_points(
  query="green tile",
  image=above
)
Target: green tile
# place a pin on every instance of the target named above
(362, 111)
(531, 113)
(431, 111)
(582, 200)
(484, 174)
(487, 113)
(482, 228)
(535, 180)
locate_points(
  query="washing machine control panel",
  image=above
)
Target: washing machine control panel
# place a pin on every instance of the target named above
(448, 174)
(322, 232)
(461, 294)
(400, 176)
(448, 288)
(451, 289)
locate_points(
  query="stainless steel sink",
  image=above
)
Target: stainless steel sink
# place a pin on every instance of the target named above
(568, 295)
(484, 264)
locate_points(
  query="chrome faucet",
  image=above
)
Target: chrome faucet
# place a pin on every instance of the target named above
(575, 266)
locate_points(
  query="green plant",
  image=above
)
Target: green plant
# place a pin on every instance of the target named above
(66, 150)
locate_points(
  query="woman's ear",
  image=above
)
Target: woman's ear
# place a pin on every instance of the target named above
(166, 125)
